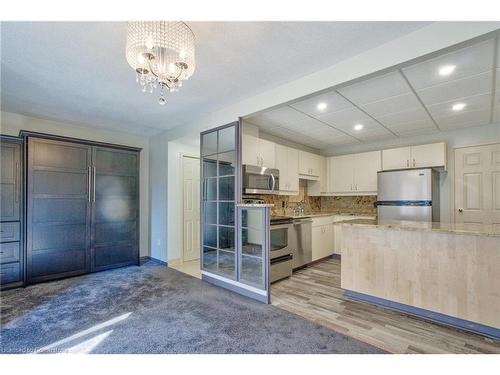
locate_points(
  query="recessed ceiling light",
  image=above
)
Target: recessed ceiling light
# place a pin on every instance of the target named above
(358, 127)
(458, 106)
(322, 106)
(446, 70)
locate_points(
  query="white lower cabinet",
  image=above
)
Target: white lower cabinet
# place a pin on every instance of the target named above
(322, 237)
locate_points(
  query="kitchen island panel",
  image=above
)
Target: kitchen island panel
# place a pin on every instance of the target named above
(456, 275)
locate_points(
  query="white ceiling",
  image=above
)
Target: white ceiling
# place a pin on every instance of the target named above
(407, 101)
(76, 71)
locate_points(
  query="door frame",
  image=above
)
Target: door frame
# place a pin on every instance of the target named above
(183, 155)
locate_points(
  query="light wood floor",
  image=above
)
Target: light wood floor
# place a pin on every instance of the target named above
(314, 293)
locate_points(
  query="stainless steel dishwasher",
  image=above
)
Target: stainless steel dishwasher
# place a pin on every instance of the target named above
(301, 242)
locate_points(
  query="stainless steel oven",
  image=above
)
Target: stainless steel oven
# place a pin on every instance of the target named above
(260, 180)
(280, 250)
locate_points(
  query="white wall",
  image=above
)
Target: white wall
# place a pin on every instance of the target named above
(12, 123)
(175, 196)
(158, 158)
(459, 138)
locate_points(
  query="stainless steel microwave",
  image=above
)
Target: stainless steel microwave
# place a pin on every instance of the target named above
(260, 180)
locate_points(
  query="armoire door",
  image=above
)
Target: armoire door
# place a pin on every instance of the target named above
(58, 211)
(115, 208)
(10, 179)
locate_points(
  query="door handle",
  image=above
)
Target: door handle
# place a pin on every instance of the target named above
(93, 193)
(273, 179)
(17, 182)
(460, 210)
(88, 185)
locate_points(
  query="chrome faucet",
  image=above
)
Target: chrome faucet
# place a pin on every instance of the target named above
(299, 209)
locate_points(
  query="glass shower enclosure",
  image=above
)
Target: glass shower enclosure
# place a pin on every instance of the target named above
(234, 237)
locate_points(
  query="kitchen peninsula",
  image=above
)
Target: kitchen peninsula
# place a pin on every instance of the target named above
(448, 273)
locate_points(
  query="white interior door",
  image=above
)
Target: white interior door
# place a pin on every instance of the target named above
(477, 184)
(191, 204)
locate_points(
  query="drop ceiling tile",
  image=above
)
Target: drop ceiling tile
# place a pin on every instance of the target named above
(371, 135)
(334, 102)
(404, 117)
(473, 103)
(468, 61)
(470, 86)
(414, 132)
(392, 104)
(285, 115)
(261, 121)
(308, 124)
(463, 120)
(346, 119)
(406, 127)
(377, 88)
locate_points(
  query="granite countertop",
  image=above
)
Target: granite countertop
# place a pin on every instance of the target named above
(474, 229)
(324, 214)
(254, 205)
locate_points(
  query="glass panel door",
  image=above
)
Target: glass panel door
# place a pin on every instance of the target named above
(234, 239)
(219, 160)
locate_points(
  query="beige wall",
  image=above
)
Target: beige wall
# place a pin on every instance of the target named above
(11, 124)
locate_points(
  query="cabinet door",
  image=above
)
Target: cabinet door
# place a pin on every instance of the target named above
(10, 181)
(58, 198)
(115, 208)
(431, 155)
(293, 169)
(304, 162)
(342, 170)
(396, 158)
(282, 165)
(267, 152)
(365, 171)
(322, 241)
(250, 153)
(317, 242)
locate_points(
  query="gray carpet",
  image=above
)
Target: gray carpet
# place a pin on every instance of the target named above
(154, 309)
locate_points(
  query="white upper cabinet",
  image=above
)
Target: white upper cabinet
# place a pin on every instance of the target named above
(422, 156)
(396, 158)
(267, 152)
(256, 151)
(287, 161)
(310, 164)
(341, 174)
(366, 167)
(354, 174)
(431, 155)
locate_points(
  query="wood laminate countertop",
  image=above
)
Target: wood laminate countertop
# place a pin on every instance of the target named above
(458, 228)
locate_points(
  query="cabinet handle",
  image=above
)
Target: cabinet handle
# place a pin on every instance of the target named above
(88, 184)
(261, 161)
(93, 195)
(413, 162)
(17, 182)
(407, 163)
(356, 187)
(351, 187)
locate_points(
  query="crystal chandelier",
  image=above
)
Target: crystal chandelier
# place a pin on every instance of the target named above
(161, 53)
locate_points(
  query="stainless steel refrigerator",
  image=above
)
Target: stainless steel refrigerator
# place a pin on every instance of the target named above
(408, 195)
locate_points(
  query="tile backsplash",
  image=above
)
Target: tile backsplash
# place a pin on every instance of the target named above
(285, 204)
